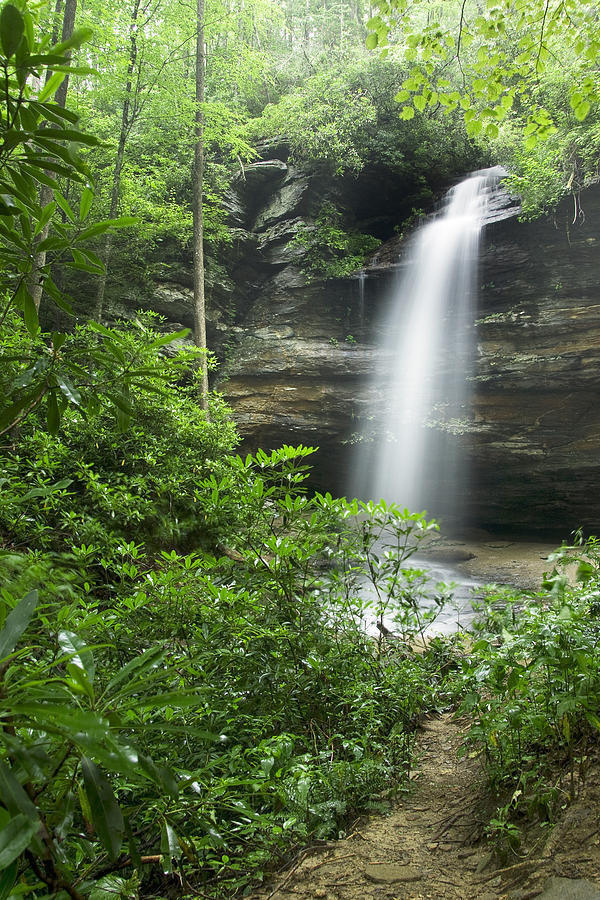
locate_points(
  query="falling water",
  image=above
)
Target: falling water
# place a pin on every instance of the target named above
(361, 297)
(410, 449)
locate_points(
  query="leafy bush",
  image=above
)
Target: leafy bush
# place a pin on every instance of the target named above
(330, 250)
(104, 478)
(194, 713)
(532, 685)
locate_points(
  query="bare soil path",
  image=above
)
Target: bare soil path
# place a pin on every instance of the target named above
(432, 845)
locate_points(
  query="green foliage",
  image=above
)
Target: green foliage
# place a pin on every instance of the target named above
(501, 50)
(91, 367)
(247, 673)
(531, 684)
(521, 76)
(39, 146)
(322, 121)
(104, 478)
(330, 250)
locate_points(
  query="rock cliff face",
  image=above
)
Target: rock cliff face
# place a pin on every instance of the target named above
(294, 364)
(298, 356)
(535, 434)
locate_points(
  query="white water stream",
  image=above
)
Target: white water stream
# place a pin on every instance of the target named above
(410, 449)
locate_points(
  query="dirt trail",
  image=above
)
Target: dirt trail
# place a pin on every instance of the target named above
(432, 844)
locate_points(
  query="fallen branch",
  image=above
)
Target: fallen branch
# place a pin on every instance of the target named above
(508, 869)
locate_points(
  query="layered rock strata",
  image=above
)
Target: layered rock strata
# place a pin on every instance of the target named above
(298, 369)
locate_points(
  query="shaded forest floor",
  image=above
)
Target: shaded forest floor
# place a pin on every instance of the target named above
(433, 844)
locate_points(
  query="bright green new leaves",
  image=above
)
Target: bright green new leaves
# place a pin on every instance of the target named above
(498, 53)
(169, 847)
(40, 161)
(322, 120)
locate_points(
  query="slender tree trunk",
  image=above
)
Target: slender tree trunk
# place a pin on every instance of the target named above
(123, 135)
(198, 179)
(67, 30)
(55, 31)
(46, 194)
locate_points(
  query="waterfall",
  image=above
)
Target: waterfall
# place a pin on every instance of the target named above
(409, 452)
(361, 297)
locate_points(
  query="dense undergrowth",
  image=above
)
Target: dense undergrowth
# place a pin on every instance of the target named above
(530, 682)
(188, 689)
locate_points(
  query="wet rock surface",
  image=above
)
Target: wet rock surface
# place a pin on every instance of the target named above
(532, 438)
(298, 358)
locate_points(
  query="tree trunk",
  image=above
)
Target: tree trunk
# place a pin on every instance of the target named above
(46, 193)
(67, 30)
(199, 298)
(126, 122)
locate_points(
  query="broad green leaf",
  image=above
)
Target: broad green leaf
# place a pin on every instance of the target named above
(160, 775)
(75, 724)
(169, 847)
(581, 111)
(8, 878)
(150, 659)
(72, 135)
(47, 489)
(15, 838)
(85, 204)
(57, 295)
(134, 853)
(79, 37)
(8, 207)
(51, 86)
(52, 413)
(43, 220)
(24, 302)
(32, 758)
(16, 623)
(593, 719)
(106, 225)
(100, 329)
(81, 263)
(80, 655)
(14, 797)
(93, 258)
(52, 243)
(68, 390)
(169, 338)
(122, 402)
(64, 205)
(53, 112)
(58, 340)
(12, 28)
(111, 887)
(29, 30)
(107, 817)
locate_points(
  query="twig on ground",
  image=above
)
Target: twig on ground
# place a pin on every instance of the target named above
(507, 869)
